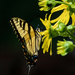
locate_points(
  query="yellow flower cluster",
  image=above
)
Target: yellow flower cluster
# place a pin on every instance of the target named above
(64, 47)
(65, 16)
(68, 11)
(45, 34)
(43, 4)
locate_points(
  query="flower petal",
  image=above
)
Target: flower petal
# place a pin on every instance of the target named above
(49, 41)
(58, 48)
(44, 22)
(46, 17)
(73, 19)
(45, 41)
(60, 7)
(67, 18)
(49, 17)
(51, 47)
(44, 32)
(60, 51)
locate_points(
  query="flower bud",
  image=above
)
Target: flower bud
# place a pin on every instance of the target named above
(61, 27)
(71, 28)
(46, 5)
(71, 8)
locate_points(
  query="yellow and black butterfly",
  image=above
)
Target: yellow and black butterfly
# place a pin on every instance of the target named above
(29, 38)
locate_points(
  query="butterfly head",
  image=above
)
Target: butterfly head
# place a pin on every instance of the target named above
(38, 29)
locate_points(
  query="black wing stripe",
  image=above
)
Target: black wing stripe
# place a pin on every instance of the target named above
(20, 23)
(23, 25)
(19, 37)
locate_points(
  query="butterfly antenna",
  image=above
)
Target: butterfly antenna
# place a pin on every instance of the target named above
(37, 26)
(41, 28)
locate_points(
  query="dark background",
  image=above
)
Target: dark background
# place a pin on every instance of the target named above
(12, 61)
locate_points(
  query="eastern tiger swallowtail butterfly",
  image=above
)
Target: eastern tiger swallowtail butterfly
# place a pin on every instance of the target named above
(29, 38)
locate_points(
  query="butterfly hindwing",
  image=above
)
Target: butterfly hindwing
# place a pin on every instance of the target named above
(29, 37)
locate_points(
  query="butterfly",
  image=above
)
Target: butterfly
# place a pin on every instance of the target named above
(29, 38)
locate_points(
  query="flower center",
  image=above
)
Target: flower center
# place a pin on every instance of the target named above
(52, 32)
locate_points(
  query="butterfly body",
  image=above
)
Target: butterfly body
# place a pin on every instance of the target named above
(29, 38)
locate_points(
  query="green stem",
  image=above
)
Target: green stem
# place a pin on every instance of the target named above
(72, 36)
(73, 1)
(74, 46)
(58, 2)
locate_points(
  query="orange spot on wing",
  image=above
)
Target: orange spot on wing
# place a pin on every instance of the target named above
(35, 60)
(24, 53)
(23, 47)
(28, 62)
(26, 58)
(22, 40)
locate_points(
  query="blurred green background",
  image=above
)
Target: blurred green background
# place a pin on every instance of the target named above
(12, 61)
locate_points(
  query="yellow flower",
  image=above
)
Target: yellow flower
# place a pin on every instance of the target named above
(64, 47)
(68, 10)
(48, 34)
(43, 5)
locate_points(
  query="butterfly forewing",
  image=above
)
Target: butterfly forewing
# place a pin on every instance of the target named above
(27, 33)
